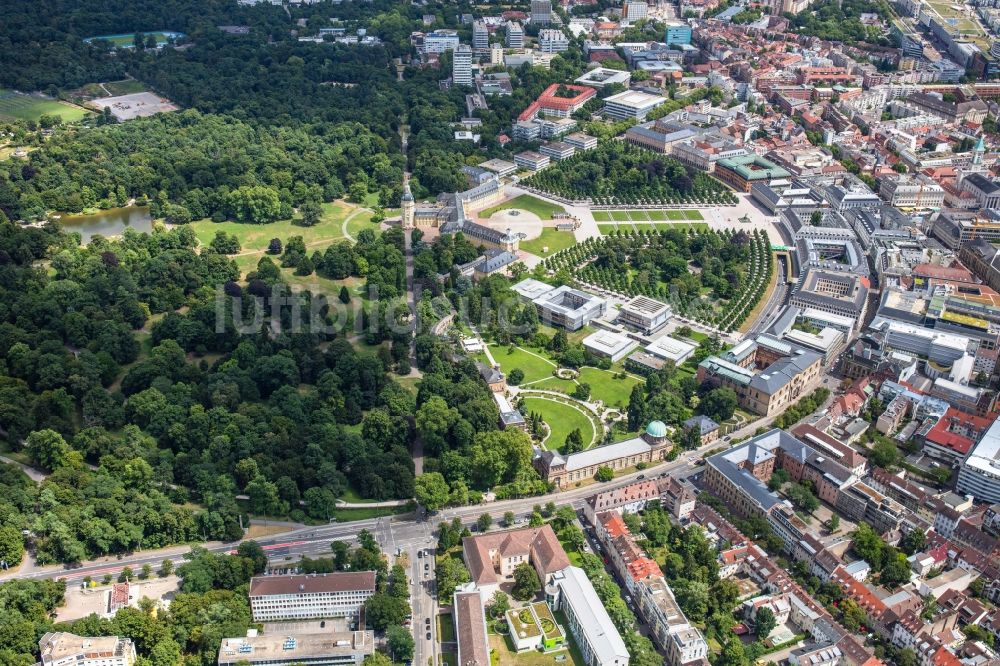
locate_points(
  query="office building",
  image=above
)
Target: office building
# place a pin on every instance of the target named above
(634, 10)
(661, 135)
(671, 349)
(955, 228)
(918, 192)
(60, 648)
(307, 597)
(601, 77)
(328, 648)
(843, 294)
(529, 159)
(645, 314)
(480, 36)
(514, 39)
(589, 622)
(552, 41)
(541, 12)
(942, 349)
(979, 475)
(581, 141)
(608, 344)
(461, 66)
(557, 150)
(677, 33)
(567, 307)
(767, 374)
(743, 172)
(554, 102)
(631, 104)
(440, 41)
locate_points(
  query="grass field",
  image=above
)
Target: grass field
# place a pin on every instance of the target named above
(551, 238)
(543, 209)
(603, 386)
(659, 226)
(256, 237)
(128, 40)
(561, 418)
(641, 215)
(125, 87)
(533, 367)
(18, 106)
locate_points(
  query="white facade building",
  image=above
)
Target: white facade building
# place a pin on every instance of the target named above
(461, 65)
(313, 596)
(552, 41)
(631, 104)
(60, 648)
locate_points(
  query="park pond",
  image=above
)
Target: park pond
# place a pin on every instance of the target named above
(110, 222)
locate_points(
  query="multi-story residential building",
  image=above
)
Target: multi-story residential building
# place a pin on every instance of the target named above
(480, 36)
(313, 596)
(461, 68)
(552, 41)
(541, 12)
(741, 173)
(631, 104)
(60, 648)
(918, 192)
(514, 37)
(767, 374)
(440, 41)
(331, 648)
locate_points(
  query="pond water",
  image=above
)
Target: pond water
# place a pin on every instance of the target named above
(110, 222)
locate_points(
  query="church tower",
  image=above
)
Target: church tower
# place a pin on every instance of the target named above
(977, 152)
(408, 206)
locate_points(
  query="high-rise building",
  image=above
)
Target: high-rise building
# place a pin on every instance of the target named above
(541, 11)
(635, 10)
(677, 33)
(515, 35)
(552, 41)
(461, 66)
(480, 36)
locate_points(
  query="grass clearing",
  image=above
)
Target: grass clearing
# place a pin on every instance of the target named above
(125, 87)
(561, 418)
(21, 106)
(533, 367)
(605, 387)
(543, 209)
(551, 238)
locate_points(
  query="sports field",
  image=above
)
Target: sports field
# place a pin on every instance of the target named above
(21, 106)
(637, 215)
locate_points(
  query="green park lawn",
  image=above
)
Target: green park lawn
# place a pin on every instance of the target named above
(561, 418)
(602, 216)
(607, 229)
(621, 215)
(566, 386)
(15, 106)
(533, 367)
(675, 215)
(551, 238)
(603, 386)
(694, 215)
(657, 215)
(543, 209)
(256, 237)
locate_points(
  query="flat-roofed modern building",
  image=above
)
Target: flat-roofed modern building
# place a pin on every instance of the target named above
(552, 41)
(581, 141)
(61, 648)
(529, 159)
(500, 167)
(557, 150)
(328, 648)
(595, 633)
(844, 294)
(979, 474)
(631, 104)
(312, 596)
(601, 77)
(671, 349)
(608, 344)
(661, 135)
(529, 289)
(570, 308)
(644, 313)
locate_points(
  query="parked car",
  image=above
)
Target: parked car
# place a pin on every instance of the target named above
(428, 635)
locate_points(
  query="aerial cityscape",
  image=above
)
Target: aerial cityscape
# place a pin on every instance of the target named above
(542, 332)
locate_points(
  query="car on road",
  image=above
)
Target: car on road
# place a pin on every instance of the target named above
(427, 621)
(428, 635)
(427, 566)
(640, 477)
(420, 553)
